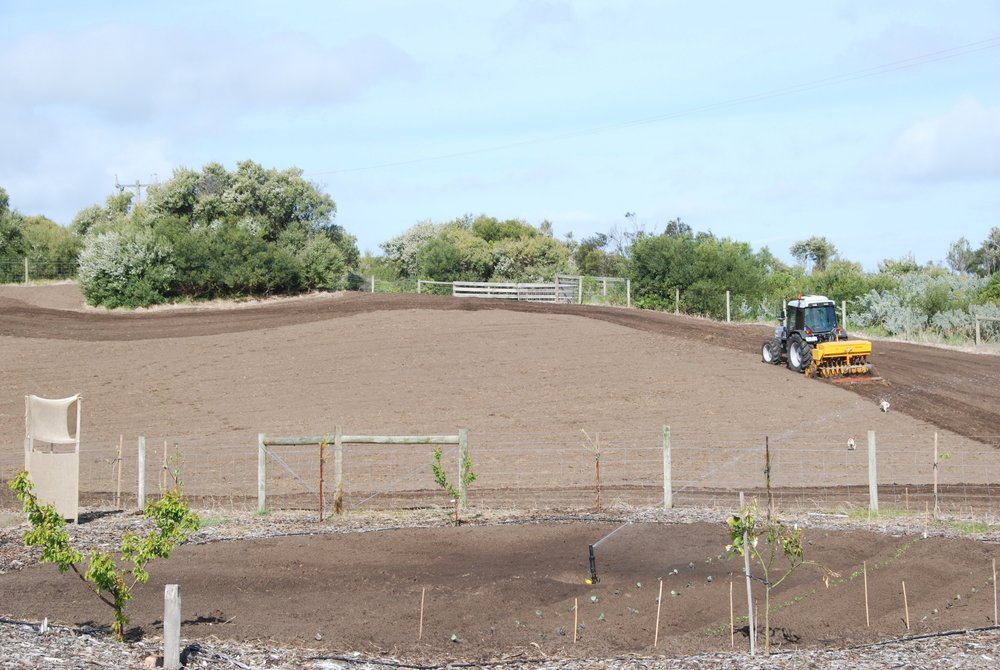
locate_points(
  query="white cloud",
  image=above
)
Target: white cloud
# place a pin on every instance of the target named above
(963, 143)
(125, 72)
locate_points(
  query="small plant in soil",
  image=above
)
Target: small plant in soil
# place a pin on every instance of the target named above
(105, 575)
(746, 530)
(441, 478)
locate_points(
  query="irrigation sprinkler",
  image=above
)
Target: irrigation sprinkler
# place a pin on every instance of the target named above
(590, 553)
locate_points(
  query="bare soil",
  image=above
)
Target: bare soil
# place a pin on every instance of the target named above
(404, 363)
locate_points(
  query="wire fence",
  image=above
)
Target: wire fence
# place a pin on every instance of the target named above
(574, 470)
(26, 270)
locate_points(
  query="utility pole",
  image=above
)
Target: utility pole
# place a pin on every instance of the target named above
(136, 186)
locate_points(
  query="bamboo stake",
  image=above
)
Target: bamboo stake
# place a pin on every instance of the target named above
(906, 607)
(163, 475)
(732, 619)
(659, 603)
(118, 487)
(995, 592)
(420, 631)
(937, 511)
(576, 613)
(868, 621)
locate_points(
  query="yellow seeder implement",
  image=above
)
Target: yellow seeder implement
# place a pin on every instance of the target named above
(842, 361)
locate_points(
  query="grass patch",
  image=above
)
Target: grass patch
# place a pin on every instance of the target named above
(971, 527)
(212, 522)
(863, 514)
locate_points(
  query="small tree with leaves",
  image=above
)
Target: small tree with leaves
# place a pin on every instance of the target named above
(441, 478)
(105, 574)
(746, 529)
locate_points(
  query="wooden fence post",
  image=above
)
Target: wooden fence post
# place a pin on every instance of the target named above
(677, 300)
(727, 307)
(25, 270)
(261, 474)
(628, 292)
(338, 469)
(171, 627)
(141, 466)
(668, 487)
(979, 338)
(843, 314)
(872, 474)
(463, 456)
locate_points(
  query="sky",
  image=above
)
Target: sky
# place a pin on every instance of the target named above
(873, 124)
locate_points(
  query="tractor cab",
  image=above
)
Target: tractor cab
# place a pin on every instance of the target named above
(814, 318)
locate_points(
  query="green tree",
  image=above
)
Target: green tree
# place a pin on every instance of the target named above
(960, 256)
(173, 520)
(819, 250)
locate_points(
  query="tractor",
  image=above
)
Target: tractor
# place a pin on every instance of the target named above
(809, 340)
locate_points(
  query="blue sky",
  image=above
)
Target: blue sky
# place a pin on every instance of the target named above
(876, 125)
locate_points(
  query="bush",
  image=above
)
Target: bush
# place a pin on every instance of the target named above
(128, 268)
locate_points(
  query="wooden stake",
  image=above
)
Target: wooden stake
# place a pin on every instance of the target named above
(163, 475)
(576, 611)
(322, 446)
(420, 631)
(868, 621)
(906, 607)
(118, 487)
(732, 618)
(659, 604)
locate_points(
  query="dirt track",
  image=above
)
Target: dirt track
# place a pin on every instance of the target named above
(954, 390)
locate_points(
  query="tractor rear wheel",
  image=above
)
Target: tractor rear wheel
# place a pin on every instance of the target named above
(771, 351)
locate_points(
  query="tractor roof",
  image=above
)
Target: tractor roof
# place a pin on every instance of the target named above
(810, 301)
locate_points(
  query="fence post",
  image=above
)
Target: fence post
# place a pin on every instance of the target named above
(668, 487)
(579, 291)
(141, 465)
(26, 270)
(463, 456)
(418, 286)
(677, 300)
(628, 292)
(727, 306)
(872, 475)
(843, 314)
(338, 468)
(604, 289)
(261, 474)
(171, 627)
(978, 334)
(373, 283)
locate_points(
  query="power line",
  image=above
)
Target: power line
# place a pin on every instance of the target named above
(835, 80)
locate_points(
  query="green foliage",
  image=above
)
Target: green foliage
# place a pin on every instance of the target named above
(480, 249)
(214, 234)
(50, 249)
(441, 478)
(702, 266)
(746, 530)
(125, 268)
(819, 250)
(173, 520)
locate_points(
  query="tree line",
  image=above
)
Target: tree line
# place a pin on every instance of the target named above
(252, 231)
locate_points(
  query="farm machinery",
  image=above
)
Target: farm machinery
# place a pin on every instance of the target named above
(809, 340)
